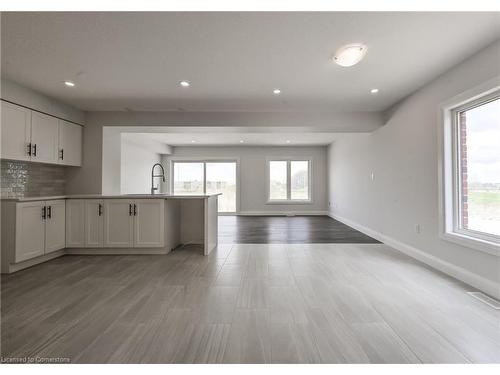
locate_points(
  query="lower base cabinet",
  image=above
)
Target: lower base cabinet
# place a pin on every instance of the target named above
(30, 230)
(39, 229)
(55, 226)
(94, 224)
(116, 223)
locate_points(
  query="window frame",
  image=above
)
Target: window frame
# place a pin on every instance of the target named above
(450, 198)
(204, 161)
(289, 199)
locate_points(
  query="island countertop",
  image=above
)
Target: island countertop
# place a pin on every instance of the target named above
(110, 196)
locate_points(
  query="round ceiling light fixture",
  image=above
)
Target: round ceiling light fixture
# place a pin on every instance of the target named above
(276, 91)
(374, 91)
(184, 83)
(350, 54)
(69, 83)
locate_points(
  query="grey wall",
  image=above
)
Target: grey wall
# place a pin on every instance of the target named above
(16, 93)
(88, 179)
(136, 163)
(253, 192)
(403, 155)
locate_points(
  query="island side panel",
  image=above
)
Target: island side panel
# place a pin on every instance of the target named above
(172, 223)
(211, 224)
(192, 221)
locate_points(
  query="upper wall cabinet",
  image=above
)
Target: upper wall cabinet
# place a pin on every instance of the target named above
(70, 143)
(34, 136)
(44, 138)
(16, 132)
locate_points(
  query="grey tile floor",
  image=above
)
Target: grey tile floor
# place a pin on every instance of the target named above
(247, 303)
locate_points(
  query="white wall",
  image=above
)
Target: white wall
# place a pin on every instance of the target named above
(135, 171)
(403, 157)
(253, 192)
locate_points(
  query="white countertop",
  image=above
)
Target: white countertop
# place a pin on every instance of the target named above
(101, 196)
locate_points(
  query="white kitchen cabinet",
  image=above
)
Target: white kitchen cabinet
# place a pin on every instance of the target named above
(30, 230)
(44, 138)
(149, 219)
(118, 223)
(70, 143)
(55, 225)
(40, 228)
(33, 136)
(75, 223)
(16, 132)
(94, 223)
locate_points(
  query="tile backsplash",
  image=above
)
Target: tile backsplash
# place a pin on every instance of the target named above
(24, 179)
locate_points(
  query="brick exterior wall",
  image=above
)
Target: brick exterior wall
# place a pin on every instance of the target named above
(23, 179)
(463, 169)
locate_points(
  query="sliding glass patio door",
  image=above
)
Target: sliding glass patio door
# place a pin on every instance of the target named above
(207, 177)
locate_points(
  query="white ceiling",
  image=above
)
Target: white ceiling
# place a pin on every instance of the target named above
(233, 139)
(134, 61)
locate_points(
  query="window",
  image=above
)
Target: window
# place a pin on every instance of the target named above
(277, 180)
(289, 180)
(221, 178)
(188, 178)
(206, 177)
(472, 171)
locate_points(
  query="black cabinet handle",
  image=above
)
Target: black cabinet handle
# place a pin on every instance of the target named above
(135, 209)
(44, 212)
(33, 150)
(100, 209)
(130, 209)
(49, 212)
(62, 153)
(29, 149)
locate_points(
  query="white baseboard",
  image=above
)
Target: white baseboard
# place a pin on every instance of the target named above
(282, 213)
(473, 279)
(116, 251)
(32, 262)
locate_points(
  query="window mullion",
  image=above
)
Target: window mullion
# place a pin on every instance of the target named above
(288, 180)
(204, 178)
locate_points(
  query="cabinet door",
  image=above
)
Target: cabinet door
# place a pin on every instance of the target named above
(30, 230)
(70, 143)
(55, 226)
(149, 219)
(75, 223)
(16, 129)
(44, 138)
(94, 223)
(118, 223)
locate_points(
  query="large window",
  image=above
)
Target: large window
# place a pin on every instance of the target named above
(472, 170)
(205, 177)
(289, 181)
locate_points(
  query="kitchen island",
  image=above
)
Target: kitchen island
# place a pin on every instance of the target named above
(36, 229)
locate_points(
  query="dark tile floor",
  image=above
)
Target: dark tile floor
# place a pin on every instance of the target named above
(282, 229)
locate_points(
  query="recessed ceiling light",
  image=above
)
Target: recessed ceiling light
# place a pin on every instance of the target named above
(69, 83)
(374, 91)
(242, 141)
(184, 83)
(350, 54)
(193, 141)
(276, 91)
(287, 141)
